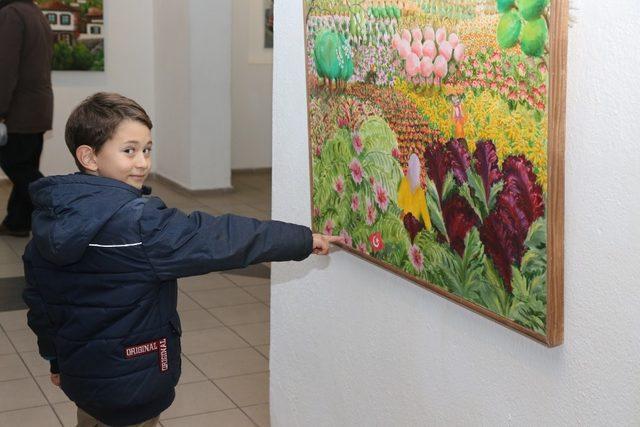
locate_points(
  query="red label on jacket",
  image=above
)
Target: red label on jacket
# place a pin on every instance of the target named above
(158, 346)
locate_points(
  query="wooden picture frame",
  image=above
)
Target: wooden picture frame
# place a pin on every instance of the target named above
(336, 16)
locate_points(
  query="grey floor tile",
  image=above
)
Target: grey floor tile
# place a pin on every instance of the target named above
(259, 414)
(190, 374)
(19, 394)
(263, 349)
(253, 333)
(248, 280)
(196, 398)
(5, 345)
(185, 303)
(229, 363)
(262, 292)
(14, 320)
(17, 244)
(7, 255)
(208, 340)
(241, 314)
(228, 418)
(53, 393)
(68, 413)
(222, 297)
(23, 340)
(41, 416)
(195, 320)
(205, 282)
(246, 390)
(11, 270)
(12, 368)
(35, 363)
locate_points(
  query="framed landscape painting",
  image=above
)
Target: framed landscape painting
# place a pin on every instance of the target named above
(78, 29)
(436, 134)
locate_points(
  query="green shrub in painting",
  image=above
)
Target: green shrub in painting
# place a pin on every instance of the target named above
(62, 56)
(356, 182)
(82, 57)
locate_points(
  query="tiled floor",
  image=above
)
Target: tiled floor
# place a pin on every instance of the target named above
(225, 341)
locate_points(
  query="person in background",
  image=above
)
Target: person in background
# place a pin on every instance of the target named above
(26, 104)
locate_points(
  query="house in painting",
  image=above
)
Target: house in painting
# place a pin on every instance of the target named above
(92, 25)
(64, 20)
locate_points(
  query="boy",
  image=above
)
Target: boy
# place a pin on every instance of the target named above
(103, 262)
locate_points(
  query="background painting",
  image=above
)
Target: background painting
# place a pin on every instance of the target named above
(78, 27)
(268, 24)
(431, 150)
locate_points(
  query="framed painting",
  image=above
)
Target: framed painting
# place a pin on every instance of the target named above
(78, 29)
(436, 134)
(261, 31)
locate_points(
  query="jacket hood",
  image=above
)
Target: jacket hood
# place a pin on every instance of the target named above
(70, 210)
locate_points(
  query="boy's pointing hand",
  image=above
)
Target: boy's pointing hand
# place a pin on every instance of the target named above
(321, 243)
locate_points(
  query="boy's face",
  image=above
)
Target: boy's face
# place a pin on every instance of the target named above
(127, 155)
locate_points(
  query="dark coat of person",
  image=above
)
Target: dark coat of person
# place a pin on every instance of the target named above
(101, 274)
(26, 55)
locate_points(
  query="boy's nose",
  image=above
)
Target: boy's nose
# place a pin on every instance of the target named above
(141, 162)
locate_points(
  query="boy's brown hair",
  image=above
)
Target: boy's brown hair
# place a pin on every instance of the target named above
(96, 119)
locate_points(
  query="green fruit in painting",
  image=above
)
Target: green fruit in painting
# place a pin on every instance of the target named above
(509, 29)
(532, 9)
(396, 12)
(505, 5)
(534, 37)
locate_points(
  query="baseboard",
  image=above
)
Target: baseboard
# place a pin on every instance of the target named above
(214, 192)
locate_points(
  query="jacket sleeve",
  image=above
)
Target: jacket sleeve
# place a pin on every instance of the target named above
(180, 245)
(11, 29)
(39, 322)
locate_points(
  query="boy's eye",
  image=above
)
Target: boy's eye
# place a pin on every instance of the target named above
(129, 150)
(147, 150)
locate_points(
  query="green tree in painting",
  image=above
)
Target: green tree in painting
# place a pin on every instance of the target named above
(333, 58)
(524, 22)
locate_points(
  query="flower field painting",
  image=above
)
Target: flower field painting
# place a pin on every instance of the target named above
(436, 135)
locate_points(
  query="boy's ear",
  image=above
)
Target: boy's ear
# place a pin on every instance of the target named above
(87, 158)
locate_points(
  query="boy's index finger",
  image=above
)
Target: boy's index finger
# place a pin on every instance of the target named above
(336, 239)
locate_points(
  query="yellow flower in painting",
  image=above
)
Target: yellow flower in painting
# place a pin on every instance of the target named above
(411, 197)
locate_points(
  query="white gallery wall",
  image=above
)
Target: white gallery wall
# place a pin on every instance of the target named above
(193, 92)
(251, 92)
(354, 345)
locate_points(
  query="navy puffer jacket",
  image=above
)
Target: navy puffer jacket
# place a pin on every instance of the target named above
(101, 274)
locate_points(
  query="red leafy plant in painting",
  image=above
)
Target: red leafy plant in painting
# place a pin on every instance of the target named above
(486, 164)
(412, 225)
(519, 204)
(458, 159)
(459, 218)
(437, 165)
